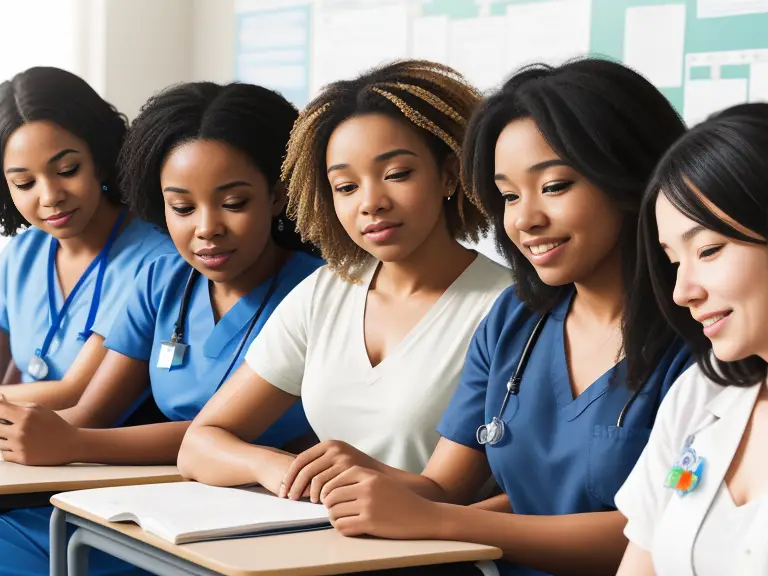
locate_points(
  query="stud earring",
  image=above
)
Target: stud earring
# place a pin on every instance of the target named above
(105, 187)
(280, 225)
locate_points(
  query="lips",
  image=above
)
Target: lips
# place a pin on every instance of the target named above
(379, 226)
(213, 257)
(59, 219)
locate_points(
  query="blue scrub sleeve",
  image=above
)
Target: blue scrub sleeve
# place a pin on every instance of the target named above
(133, 330)
(4, 258)
(466, 410)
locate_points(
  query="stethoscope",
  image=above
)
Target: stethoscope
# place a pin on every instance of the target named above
(38, 366)
(175, 349)
(493, 432)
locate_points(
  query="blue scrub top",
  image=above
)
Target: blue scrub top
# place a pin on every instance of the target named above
(559, 455)
(24, 312)
(149, 318)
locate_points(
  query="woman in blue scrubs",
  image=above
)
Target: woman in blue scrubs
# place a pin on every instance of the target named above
(62, 280)
(560, 157)
(203, 160)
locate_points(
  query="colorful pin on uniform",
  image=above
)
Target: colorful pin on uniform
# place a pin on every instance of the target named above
(685, 475)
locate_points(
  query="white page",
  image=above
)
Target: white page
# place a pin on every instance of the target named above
(550, 32)
(348, 42)
(758, 82)
(654, 39)
(430, 39)
(476, 49)
(175, 509)
(704, 97)
(719, 8)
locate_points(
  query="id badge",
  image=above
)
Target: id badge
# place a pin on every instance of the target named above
(171, 355)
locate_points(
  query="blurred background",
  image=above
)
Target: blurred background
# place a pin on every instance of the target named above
(703, 54)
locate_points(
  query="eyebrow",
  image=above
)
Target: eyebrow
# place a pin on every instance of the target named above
(55, 158)
(541, 166)
(222, 188)
(691, 233)
(380, 158)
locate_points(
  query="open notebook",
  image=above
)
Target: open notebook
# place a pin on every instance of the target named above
(184, 512)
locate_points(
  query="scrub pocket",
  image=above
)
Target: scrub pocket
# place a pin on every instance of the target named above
(613, 453)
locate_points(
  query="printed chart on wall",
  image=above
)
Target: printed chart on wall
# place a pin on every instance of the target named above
(703, 54)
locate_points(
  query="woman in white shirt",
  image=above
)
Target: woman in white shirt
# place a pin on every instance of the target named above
(697, 501)
(374, 343)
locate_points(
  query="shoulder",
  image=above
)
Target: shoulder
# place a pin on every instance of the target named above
(689, 397)
(31, 239)
(144, 241)
(484, 276)
(300, 265)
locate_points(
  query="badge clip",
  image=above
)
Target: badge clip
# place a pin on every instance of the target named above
(685, 474)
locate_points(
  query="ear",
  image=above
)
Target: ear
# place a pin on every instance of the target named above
(450, 175)
(279, 198)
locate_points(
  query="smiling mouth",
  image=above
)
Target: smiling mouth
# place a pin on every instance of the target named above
(539, 249)
(714, 319)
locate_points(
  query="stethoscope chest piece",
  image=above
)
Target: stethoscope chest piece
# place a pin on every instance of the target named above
(491, 433)
(37, 368)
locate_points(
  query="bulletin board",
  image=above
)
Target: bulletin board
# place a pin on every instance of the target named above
(702, 54)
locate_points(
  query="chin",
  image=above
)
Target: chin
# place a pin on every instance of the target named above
(554, 277)
(729, 351)
(391, 253)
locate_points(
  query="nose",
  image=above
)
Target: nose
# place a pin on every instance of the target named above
(209, 224)
(527, 213)
(50, 195)
(688, 290)
(374, 199)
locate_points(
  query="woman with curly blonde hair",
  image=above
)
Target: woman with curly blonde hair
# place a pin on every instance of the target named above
(374, 342)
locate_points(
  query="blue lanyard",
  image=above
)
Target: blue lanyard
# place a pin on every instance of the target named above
(101, 262)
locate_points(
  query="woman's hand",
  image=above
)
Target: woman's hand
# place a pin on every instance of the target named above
(314, 468)
(363, 501)
(34, 435)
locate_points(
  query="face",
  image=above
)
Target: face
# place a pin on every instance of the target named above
(720, 280)
(218, 208)
(388, 191)
(52, 178)
(551, 211)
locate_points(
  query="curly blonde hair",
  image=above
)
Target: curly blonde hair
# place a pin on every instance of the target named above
(434, 98)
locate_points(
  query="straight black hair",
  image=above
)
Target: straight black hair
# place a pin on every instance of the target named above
(724, 162)
(253, 119)
(606, 121)
(58, 96)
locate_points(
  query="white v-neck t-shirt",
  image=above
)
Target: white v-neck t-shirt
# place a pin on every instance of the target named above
(313, 346)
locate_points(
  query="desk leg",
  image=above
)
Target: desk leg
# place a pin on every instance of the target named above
(58, 540)
(77, 554)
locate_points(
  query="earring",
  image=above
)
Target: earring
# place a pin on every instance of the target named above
(280, 225)
(105, 187)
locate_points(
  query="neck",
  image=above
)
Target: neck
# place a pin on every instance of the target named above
(93, 238)
(225, 294)
(602, 296)
(434, 265)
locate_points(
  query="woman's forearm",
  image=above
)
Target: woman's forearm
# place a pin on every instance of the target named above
(55, 394)
(214, 456)
(572, 544)
(150, 444)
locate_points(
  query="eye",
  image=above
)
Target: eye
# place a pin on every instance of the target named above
(710, 251)
(398, 176)
(182, 210)
(556, 187)
(24, 185)
(70, 172)
(345, 188)
(509, 197)
(238, 205)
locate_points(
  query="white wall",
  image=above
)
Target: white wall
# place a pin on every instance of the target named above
(214, 40)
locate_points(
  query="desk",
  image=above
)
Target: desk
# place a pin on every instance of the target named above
(316, 553)
(23, 486)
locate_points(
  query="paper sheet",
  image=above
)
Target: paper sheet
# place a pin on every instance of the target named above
(430, 39)
(719, 8)
(704, 97)
(758, 82)
(549, 32)
(476, 49)
(348, 42)
(654, 39)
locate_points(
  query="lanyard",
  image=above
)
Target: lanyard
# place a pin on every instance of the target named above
(101, 262)
(172, 352)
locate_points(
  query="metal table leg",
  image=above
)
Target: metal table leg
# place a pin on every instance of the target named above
(58, 539)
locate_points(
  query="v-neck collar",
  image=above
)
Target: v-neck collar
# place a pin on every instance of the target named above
(375, 373)
(569, 406)
(221, 333)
